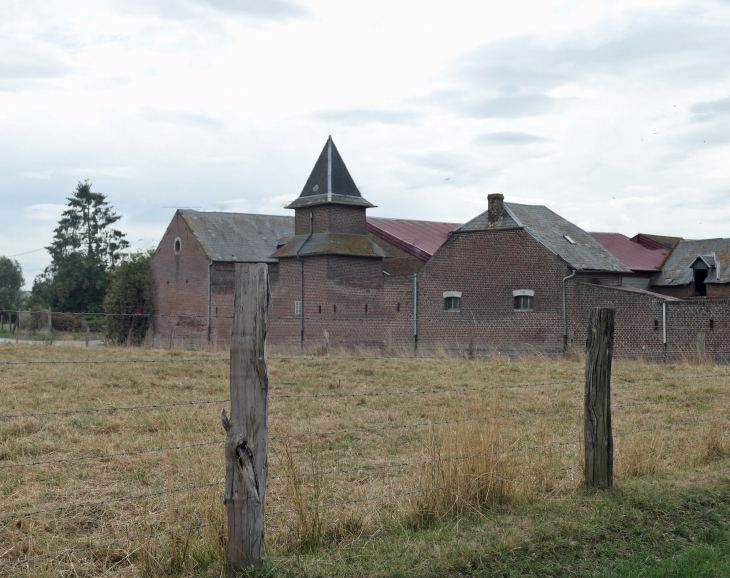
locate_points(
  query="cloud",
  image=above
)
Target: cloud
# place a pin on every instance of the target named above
(23, 66)
(272, 10)
(40, 176)
(45, 212)
(522, 76)
(267, 9)
(182, 118)
(359, 116)
(109, 83)
(704, 111)
(511, 138)
(120, 172)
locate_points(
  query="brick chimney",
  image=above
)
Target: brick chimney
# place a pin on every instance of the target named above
(496, 206)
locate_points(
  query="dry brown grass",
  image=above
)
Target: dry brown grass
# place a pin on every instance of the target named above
(505, 470)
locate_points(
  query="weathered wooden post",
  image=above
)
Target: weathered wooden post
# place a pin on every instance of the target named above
(87, 335)
(597, 402)
(247, 431)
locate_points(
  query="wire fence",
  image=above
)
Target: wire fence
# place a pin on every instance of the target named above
(305, 455)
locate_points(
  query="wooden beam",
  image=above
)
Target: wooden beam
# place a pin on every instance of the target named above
(247, 430)
(597, 401)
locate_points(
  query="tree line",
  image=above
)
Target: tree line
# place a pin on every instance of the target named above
(90, 273)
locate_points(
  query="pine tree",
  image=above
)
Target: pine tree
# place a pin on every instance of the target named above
(84, 249)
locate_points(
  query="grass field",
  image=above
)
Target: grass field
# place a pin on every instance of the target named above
(515, 509)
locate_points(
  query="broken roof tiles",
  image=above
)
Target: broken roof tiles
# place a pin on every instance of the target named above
(677, 269)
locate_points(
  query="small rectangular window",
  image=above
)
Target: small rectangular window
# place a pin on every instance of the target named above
(297, 308)
(320, 309)
(656, 325)
(712, 324)
(366, 307)
(523, 302)
(397, 307)
(452, 303)
(334, 309)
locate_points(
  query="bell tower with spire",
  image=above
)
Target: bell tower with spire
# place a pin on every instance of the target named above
(330, 219)
(329, 268)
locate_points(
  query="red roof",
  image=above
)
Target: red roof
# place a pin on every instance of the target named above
(630, 253)
(419, 238)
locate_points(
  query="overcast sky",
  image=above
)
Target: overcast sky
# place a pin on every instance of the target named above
(615, 114)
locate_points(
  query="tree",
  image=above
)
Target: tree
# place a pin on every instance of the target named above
(11, 282)
(84, 249)
(129, 292)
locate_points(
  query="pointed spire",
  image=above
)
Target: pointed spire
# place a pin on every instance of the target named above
(329, 182)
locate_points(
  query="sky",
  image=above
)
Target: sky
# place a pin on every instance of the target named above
(615, 114)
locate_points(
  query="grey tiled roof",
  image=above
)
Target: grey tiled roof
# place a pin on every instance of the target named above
(676, 270)
(238, 237)
(552, 230)
(329, 182)
(330, 244)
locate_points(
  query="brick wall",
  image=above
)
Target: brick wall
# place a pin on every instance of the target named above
(678, 291)
(330, 219)
(179, 284)
(400, 262)
(486, 266)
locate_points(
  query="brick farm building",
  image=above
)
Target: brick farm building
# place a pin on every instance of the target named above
(516, 277)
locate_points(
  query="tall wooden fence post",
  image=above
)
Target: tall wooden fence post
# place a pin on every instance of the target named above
(247, 430)
(597, 402)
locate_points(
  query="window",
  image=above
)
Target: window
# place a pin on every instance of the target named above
(700, 287)
(452, 300)
(397, 307)
(297, 308)
(523, 303)
(656, 325)
(177, 245)
(366, 307)
(334, 309)
(524, 299)
(712, 324)
(320, 309)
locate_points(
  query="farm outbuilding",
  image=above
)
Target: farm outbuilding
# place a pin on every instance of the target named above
(514, 277)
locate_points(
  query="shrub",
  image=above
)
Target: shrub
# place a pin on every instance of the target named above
(65, 322)
(129, 292)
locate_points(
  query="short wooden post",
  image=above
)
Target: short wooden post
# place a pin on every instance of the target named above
(87, 335)
(597, 402)
(247, 430)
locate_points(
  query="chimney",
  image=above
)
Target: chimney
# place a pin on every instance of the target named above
(496, 206)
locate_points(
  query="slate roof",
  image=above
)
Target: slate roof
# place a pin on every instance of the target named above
(635, 256)
(330, 244)
(329, 182)
(551, 230)
(419, 238)
(238, 237)
(677, 268)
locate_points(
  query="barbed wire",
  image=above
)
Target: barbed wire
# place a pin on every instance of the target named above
(112, 501)
(400, 494)
(426, 462)
(111, 409)
(430, 423)
(682, 400)
(107, 545)
(135, 453)
(419, 392)
(670, 447)
(638, 431)
(102, 362)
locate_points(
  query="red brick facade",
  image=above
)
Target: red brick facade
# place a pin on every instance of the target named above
(350, 298)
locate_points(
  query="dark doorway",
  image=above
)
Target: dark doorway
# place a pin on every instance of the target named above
(700, 287)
